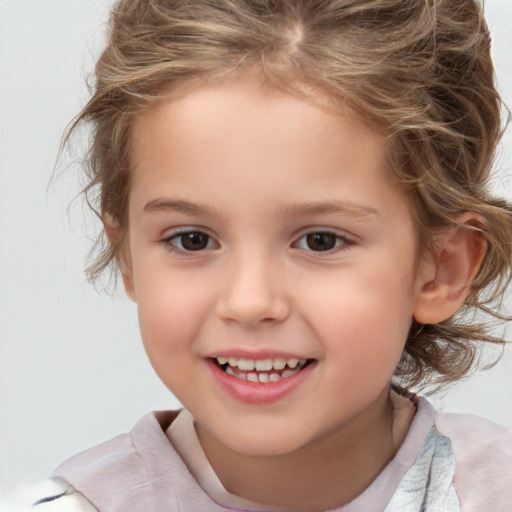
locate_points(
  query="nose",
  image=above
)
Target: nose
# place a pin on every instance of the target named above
(253, 292)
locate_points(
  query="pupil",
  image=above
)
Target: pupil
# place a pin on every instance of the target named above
(321, 241)
(194, 241)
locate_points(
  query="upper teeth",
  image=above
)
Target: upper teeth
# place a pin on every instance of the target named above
(261, 365)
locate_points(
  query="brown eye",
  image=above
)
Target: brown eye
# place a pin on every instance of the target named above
(194, 241)
(321, 241)
(190, 241)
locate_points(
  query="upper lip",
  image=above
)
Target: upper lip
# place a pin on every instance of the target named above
(255, 355)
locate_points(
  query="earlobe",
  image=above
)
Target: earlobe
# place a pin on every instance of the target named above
(460, 250)
(112, 232)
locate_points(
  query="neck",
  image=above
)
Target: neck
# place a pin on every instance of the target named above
(326, 473)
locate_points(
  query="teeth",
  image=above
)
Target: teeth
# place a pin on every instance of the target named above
(246, 364)
(263, 377)
(261, 365)
(279, 363)
(242, 376)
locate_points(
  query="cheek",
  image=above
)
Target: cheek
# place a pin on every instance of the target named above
(362, 298)
(171, 311)
(362, 317)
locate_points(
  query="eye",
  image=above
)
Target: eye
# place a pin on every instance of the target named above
(190, 241)
(323, 241)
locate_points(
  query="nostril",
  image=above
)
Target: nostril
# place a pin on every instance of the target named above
(252, 310)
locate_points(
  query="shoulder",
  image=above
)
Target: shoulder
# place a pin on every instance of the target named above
(483, 458)
(124, 457)
(476, 436)
(116, 475)
(139, 470)
(48, 495)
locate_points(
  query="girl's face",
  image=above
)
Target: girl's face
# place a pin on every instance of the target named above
(264, 231)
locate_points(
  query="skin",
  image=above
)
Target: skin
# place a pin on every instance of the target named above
(256, 171)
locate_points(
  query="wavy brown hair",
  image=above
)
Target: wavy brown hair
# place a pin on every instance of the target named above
(419, 68)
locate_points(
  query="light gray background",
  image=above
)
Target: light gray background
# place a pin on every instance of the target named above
(72, 368)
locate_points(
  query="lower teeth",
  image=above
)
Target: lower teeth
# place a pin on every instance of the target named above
(261, 376)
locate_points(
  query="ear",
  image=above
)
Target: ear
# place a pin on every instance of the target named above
(445, 281)
(124, 262)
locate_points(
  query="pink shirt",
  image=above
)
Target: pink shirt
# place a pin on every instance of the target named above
(448, 463)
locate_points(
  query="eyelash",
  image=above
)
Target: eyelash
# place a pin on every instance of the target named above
(341, 242)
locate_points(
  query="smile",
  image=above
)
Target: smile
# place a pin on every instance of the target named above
(261, 370)
(261, 380)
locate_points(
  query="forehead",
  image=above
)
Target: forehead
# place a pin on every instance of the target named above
(251, 119)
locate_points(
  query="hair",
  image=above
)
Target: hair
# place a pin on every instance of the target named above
(421, 68)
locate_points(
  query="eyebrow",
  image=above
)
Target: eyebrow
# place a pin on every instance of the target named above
(177, 205)
(331, 207)
(313, 208)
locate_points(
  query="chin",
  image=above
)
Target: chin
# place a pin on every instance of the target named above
(264, 444)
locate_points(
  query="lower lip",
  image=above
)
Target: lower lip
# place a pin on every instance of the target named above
(258, 392)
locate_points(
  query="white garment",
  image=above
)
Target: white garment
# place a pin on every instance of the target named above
(48, 495)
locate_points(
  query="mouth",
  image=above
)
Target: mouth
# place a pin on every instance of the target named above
(261, 370)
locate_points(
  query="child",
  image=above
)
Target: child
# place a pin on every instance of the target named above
(294, 193)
